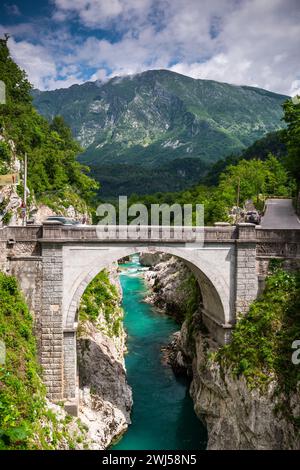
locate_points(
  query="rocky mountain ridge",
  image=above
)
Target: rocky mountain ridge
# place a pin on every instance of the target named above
(160, 119)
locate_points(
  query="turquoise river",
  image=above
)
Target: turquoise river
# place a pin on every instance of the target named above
(163, 417)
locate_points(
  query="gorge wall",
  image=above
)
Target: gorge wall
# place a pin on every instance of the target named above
(105, 396)
(237, 416)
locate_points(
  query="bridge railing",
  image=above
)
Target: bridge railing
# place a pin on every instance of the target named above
(277, 235)
(54, 232)
(19, 233)
(138, 233)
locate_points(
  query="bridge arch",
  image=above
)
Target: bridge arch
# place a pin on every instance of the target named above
(208, 269)
(211, 266)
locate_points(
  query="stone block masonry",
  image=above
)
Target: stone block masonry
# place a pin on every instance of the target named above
(246, 277)
(70, 365)
(51, 324)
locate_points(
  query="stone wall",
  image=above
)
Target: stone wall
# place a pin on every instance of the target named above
(246, 277)
(51, 325)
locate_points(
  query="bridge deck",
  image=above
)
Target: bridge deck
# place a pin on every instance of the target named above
(150, 234)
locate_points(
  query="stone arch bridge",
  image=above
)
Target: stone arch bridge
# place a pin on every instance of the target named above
(55, 263)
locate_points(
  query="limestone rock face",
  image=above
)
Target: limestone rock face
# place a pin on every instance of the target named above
(40, 212)
(168, 283)
(105, 396)
(152, 259)
(10, 201)
(71, 431)
(236, 417)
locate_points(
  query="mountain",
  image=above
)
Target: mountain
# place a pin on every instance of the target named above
(274, 142)
(160, 130)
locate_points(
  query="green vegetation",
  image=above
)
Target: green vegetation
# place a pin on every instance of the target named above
(101, 300)
(21, 390)
(51, 149)
(159, 130)
(26, 422)
(261, 347)
(272, 143)
(193, 295)
(292, 118)
(191, 288)
(257, 180)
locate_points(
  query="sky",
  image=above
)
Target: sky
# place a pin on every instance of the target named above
(243, 42)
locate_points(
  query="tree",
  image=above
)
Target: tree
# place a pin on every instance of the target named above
(17, 85)
(249, 176)
(277, 180)
(59, 126)
(292, 118)
(52, 151)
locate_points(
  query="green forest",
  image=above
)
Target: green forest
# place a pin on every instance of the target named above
(53, 170)
(268, 168)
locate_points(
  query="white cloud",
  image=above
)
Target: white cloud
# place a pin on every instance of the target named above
(251, 42)
(100, 75)
(99, 13)
(295, 88)
(41, 67)
(37, 62)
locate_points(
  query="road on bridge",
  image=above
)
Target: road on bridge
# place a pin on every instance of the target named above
(280, 213)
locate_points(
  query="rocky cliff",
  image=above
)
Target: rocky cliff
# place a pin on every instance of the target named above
(105, 396)
(237, 415)
(173, 286)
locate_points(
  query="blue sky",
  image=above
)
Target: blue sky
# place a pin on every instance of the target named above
(249, 42)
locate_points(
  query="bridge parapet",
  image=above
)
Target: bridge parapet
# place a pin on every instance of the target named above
(273, 235)
(277, 243)
(143, 234)
(62, 233)
(19, 233)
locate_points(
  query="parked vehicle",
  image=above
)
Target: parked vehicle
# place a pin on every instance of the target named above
(252, 217)
(63, 220)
